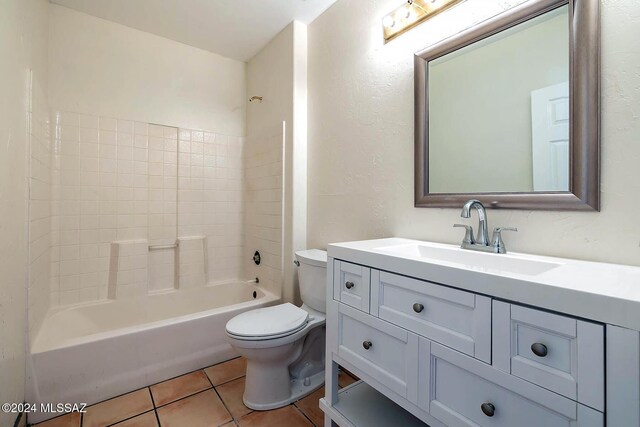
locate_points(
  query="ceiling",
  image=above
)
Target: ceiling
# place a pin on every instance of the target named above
(236, 29)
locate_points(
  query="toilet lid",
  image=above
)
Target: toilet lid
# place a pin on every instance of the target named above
(278, 320)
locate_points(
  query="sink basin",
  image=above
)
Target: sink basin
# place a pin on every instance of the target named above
(488, 262)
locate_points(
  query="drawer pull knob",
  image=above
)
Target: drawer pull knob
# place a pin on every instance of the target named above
(539, 349)
(417, 307)
(367, 345)
(488, 409)
(349, 285)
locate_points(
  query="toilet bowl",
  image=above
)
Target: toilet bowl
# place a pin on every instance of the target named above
(285, 345)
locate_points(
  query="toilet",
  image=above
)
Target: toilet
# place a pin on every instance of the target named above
(285, 345)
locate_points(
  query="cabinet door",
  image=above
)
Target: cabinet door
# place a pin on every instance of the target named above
(388, 353)
(461, 391)
(455, 318)
(351, 284)
(560, 353)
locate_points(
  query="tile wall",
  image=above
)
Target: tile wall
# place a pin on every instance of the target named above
(118, 181)
(39, 206)
(264, 207)
(211, 198)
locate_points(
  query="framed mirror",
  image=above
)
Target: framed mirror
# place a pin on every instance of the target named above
(508, 112)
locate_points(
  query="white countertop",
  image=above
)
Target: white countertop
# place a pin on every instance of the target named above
(607, 293)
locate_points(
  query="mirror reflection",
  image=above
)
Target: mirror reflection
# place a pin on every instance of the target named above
(499, 111)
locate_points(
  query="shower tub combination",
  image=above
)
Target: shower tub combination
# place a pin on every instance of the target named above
(91, 352)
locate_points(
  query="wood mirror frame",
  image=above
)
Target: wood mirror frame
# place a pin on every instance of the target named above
(584, 126)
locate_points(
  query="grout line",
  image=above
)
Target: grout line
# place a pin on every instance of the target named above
(183, 397)
(225, 406)
(228, 381)
(153, 401)
(115, 397)
(168, 403)
(157, 417)
(128, 418)
(305, 415)
(191, 372)
(302, 413)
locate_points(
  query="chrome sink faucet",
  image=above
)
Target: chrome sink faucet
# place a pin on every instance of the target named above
(481, 242)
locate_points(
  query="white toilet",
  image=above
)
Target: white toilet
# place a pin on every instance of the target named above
(284, 344)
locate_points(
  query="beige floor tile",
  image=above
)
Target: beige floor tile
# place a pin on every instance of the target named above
(231, 394)
(177, 388)
(118, 409)
(344, 379)
(230, 424)
(288, 416)
(310, 406)
(227, 371)
(68, 420)
(204, 409)
(147, 419)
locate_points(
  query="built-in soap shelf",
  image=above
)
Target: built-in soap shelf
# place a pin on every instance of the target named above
(137, 268)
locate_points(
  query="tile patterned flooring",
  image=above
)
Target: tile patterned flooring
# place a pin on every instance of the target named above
(209, 397)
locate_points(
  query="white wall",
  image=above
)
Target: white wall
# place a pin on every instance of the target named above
(106, 69)
(361, 138)
(278, 74)
(23, 31)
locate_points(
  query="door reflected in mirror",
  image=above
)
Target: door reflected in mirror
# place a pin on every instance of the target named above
(499, 110)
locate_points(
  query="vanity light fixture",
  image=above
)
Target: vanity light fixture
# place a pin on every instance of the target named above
(411, 14)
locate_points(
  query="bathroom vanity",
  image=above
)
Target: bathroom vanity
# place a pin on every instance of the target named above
(450, 337)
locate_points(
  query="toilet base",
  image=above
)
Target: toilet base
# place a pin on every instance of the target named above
(298, 391)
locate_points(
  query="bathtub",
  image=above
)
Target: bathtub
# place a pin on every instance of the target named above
(91, 352)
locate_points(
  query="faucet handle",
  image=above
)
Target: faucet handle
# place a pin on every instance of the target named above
(496, 240)
(468, 235)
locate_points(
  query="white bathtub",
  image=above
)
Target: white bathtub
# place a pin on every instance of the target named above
(92, 352)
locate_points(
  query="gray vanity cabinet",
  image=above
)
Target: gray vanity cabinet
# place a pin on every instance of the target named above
(458, 319)
(560, 353)
(461, 391)
(351, 285)
(451, 357)
(374, 345)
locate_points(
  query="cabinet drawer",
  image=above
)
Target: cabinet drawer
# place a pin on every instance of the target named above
(388, 353)
(457, 319)
(559, 353)
(351, 284)
(461, 391)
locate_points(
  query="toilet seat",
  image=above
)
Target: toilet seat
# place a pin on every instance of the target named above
(268, 323)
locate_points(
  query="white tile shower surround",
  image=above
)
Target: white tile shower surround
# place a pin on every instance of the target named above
(39, 205)
(264, 205)
(118, 180)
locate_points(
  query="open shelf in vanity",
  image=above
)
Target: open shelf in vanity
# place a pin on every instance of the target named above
(359, 404)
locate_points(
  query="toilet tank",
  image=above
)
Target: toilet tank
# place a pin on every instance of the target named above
(312, 278)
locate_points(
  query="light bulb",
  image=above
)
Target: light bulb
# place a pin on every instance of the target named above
(408, 12)
(388, 21)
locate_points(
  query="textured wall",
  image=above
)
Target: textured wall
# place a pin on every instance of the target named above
(107, 69)
(23, 30)
(361, 138)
